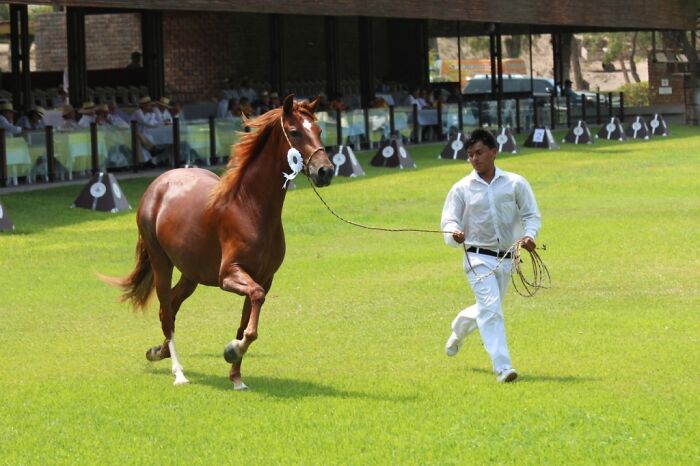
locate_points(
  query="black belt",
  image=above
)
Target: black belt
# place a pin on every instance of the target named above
(488, 252)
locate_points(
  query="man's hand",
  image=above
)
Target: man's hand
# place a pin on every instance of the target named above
(458, 236)
(528, 243)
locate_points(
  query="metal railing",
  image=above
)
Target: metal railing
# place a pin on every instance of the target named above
(207, 141)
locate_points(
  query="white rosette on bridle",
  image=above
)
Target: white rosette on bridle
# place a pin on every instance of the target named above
(296, 164)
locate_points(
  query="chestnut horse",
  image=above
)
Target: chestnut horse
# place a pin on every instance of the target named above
(224, 232)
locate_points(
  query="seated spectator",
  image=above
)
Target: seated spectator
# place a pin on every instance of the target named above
(264, 105)
(145, 117)
(7, 118)
(68, 114)
(274, 100)
(33, 120)
(115, 116)
(246, 107)
(414, 98)
(88, 114)
(246, 91)
(230, 89)
(162, 111)
(379, 102)
(440, 98)
(60, 99)
(234, 109)
(428, 98)
(337, 103)
(101, 115)
(177, 112)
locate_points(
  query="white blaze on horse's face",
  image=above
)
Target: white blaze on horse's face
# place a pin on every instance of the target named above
(307, 124)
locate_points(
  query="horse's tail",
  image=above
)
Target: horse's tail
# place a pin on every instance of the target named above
(138, 286)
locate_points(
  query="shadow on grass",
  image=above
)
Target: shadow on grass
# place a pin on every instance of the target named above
(530, 377)
(278, 387)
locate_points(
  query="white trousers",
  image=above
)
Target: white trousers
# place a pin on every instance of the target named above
(487, 313)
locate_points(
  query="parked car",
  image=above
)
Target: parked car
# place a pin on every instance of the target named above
(540, 87)
(481, 84)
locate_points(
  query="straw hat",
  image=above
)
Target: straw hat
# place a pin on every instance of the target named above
(88, 106)
(164, 101)
(7, 106)
(144, 100)
(38, 109)
(102, 108)
(66, 109)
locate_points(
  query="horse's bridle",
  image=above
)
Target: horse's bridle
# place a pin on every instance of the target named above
(307, 162)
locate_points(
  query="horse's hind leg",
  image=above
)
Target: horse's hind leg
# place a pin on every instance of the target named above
(180, 292)
(163, 274)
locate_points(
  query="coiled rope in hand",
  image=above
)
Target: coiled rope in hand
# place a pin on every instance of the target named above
(528, 286)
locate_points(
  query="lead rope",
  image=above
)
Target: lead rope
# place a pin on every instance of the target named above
(540, 273)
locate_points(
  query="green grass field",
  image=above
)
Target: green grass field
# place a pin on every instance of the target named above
(349, 367)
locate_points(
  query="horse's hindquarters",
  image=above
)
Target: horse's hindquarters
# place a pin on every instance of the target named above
(173, 217)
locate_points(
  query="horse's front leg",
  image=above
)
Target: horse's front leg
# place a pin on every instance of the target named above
(236, 280)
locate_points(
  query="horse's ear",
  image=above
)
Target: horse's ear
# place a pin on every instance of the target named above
(312, 105)
(288, 104)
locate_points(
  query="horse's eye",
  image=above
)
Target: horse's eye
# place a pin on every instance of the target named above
(295, 133)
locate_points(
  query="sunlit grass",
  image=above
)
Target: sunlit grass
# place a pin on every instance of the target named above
(349, 367)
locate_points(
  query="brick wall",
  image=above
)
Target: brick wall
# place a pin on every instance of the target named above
(674, 73)
(202, 49)
(109, 40)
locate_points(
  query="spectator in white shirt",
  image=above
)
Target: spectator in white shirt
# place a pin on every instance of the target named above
(146, 118)
(415, 98)
(69, 123)
(162, 111)
(7, 118)
(115, 116)
(88, 114)
(487, 213)
(247, 91)
(33, 120)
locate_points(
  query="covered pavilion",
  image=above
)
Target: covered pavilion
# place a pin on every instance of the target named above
(287, 43)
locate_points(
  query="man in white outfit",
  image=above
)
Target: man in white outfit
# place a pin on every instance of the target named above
(88, 114)
(7, 119)
(487, 212)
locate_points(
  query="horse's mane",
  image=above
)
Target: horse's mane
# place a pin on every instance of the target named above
(247, 149)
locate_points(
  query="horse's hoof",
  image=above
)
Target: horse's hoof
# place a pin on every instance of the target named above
(153, 354)
(238, 384)
(180, 379)
(232, 352)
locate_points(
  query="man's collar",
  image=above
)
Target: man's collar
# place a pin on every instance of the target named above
(475, 176)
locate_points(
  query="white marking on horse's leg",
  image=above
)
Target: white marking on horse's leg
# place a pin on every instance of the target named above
(180, 378)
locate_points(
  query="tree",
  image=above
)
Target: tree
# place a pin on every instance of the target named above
(633, 64)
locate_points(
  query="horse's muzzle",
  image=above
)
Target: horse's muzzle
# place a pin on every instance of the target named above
(323, 177)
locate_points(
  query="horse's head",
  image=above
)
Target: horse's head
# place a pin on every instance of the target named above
(303, 134)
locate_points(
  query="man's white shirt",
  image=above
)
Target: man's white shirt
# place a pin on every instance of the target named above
(9, 127)
(492, 216)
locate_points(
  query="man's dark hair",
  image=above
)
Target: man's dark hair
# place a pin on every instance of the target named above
(483, 135)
